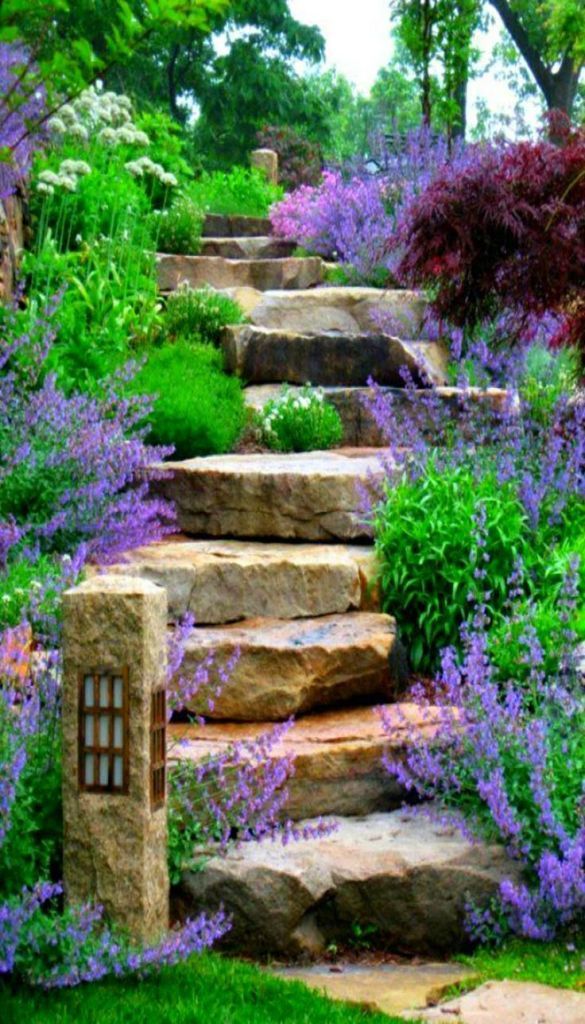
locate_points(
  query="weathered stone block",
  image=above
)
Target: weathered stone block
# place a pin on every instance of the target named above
(115, 843)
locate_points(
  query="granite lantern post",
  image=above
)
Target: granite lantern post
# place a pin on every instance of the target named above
(114, 751)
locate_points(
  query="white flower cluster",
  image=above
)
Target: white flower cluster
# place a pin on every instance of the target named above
(144, 166)
(105, 115)
(69, 173)
(290, 403)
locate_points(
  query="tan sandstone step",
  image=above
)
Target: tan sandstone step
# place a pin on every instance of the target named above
(345, 309)
(359, 426)
(338, 756)
(264, 355)
(307, 496)
(221, 581)
(219, 225)
(397, 874)
(287, 667)
(262, 274)
(262, 247)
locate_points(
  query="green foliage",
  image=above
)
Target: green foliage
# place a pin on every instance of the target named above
(300, 421)
(179, 227)
(208, 988)
(32, 848)
(241, 191)
(72, 44)
(426, 542)
(199, 409)
(24, 578)
(545, 378)
(559, 964)
(200, 314)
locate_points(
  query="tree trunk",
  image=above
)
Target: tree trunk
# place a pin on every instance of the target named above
(558, 88)
(460, 97)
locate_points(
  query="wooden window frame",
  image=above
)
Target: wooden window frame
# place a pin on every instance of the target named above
(158, 747)
(96, 749)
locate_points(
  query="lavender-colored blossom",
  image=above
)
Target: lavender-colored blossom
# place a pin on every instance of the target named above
(22, 105)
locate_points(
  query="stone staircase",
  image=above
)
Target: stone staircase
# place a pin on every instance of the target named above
(275, 560)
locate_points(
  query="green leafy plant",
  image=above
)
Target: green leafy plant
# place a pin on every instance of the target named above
(242, 191)
(431, 559)
(179, 227)
(198, 409)
(300, 421)
(200, 314)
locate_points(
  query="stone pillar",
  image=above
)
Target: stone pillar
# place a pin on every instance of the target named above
(114, 786)
(266, 160)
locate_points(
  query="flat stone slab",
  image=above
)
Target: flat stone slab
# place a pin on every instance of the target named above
(248, 248)
(307, 496)
(338, 756)
(219, 225)
(262, 274)
(398, 872)
(348, 310)
(509, 1002)
(359, 426)
(290, 667)
(223, 581)
(387, 988)
(262, 355)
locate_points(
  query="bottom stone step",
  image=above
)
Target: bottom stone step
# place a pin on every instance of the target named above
(338, 756)
(403, 878)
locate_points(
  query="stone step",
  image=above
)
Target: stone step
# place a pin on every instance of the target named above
(344, 309)
(223, 581)
(219, 225)
(338, 756)
(306, 496)
(397, 874)
(389, 988)
(289, 667)
(360, 429)
(263, 355)
(261, 274)
(262, 247)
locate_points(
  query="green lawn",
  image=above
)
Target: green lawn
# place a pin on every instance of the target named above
(208, 990)
(560, 964)
(213, 989)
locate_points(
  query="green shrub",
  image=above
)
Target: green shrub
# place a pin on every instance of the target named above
(300, 421)
(200, 314)
(242, 191)
(199, 409)
(424, 536)
(179, 227)
(431, 565)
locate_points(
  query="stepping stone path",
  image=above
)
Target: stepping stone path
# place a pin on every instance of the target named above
(387, 988)
(509, 1002)
(275, 560)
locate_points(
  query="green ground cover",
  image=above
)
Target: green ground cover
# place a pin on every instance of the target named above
(205, 989)
(560, 964)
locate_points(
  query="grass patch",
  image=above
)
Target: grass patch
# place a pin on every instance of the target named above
(208, 988)
(559, 964)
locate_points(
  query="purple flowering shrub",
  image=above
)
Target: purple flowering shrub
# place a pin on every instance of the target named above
(22, 103)
(354, 217)
(338, 219)
(72, 468)
(512, 458)
(508, 764)
(41, 944)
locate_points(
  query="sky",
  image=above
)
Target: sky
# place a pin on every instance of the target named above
(357, 36)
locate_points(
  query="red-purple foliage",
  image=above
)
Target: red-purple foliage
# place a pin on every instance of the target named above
(504, 227)
(300, 159)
